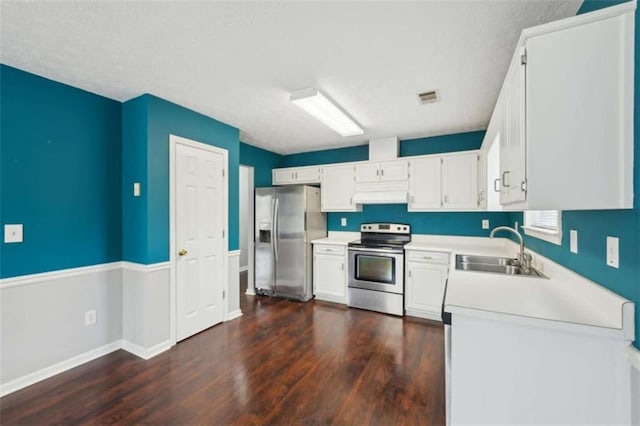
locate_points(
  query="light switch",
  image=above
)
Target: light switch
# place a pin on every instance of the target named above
(613, 252)
(343, 221)
(13, 233)
(573, 241)
(136, 189)
(485, 223)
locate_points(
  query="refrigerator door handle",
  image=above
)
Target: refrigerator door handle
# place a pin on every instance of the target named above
(275, 230)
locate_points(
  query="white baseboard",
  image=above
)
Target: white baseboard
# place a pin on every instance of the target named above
(634, 357)
(244, 268)
(146, 353)
(234, 314)
(250, 291)
(61, 367)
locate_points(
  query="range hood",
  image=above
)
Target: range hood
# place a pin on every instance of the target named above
(381, 197)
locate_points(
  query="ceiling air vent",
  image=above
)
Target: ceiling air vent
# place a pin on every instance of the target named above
(428, 97)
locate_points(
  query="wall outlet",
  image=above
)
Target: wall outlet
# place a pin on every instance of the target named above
(13, 233)
(485, 223)
(573, 241)
(136, 189)
(613, 252)
(89, 317)
(343, 221)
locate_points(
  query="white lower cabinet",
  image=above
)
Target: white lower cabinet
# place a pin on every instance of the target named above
(329, 273)
(426, 278)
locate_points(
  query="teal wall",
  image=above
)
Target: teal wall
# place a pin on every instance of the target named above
(60, 174)
(262, 161)
(148, 141)
(467, 223)
(594, 226)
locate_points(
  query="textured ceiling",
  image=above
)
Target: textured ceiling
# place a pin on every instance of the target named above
(238, 62)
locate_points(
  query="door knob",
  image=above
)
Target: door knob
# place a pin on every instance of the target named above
(182, 252)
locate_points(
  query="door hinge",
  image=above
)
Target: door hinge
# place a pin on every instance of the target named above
(222, 172)
(409, 273)
(223, 233)
(523, 185)
(523, 57)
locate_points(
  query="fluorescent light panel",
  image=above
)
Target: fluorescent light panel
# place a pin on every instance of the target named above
(321, 108)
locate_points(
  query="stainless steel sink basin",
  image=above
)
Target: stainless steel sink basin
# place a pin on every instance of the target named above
(496, 265)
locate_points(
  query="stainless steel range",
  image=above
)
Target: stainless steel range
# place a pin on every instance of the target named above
(376, 267)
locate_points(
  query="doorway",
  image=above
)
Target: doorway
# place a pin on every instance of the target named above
(199, 205)
(246, 197)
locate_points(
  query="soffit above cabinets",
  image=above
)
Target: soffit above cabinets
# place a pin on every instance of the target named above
(238, 61)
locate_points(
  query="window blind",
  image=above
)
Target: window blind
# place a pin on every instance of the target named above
(545, 219)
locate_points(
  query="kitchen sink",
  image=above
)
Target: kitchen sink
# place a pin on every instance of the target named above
(496, 265)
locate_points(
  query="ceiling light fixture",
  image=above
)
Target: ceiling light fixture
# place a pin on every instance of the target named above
(320, 107)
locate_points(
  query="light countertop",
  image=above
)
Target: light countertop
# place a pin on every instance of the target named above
(338, 238)
(564, 300)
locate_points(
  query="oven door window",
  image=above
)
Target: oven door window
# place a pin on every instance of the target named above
(379, 269)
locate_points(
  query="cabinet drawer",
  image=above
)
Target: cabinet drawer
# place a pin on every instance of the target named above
(428, 256)
(328, 249)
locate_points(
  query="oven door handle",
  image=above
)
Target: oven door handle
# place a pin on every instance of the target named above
(375, 250)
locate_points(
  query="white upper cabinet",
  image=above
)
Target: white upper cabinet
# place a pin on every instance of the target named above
(385, 171)
(566, 131)
(337, 188)
(425, 183)
(296, 175)
(460, 181)
(447, 182)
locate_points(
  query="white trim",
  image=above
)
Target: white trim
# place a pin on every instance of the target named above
(146, 353)
(61, 273)
(250, 291)
(234, 314)
(173, 141)
(231, 253)
(61, 367)
(244, 268)
(140, 267)
(634, 357)
(543, 234)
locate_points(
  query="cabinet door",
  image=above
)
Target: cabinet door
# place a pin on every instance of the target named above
(394, 170)
(460, 181)
(307, 175)
(337, 188)
(368, 172)
(425, 286)
(283, 176)
(512, 141)
(425, 183)
(329, 277)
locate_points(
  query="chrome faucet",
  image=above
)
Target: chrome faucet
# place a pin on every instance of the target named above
(524, 259)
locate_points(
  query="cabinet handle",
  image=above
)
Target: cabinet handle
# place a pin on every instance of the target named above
(378, 172)
(428, 257)
(409, 273)
(446, 199)
(342, 266)
(496, 185)
(350, 201)
(296, 175)
(382, 172)
(292, 175)
(412, 198)
(504, 178)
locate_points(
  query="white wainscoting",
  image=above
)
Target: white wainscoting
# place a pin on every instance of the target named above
(233, 290)
(42, 322)
(634, 359)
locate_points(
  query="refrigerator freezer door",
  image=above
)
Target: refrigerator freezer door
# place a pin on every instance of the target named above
(264, 241)
(290, 240)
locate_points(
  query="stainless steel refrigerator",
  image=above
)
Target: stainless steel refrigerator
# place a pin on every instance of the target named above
(288, 218)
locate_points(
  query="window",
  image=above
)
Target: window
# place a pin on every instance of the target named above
(544, 224)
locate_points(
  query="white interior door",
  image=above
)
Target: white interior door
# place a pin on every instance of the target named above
(200, 242)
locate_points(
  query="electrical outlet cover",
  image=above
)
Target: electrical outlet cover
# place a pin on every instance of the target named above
(573, 241)
(485, 223)
(13, 233)
(613, 252)
(343, 221)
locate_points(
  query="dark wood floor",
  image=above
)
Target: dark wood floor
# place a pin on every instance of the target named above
(281, 363)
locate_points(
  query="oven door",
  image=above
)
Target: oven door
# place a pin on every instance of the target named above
(377, 269)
